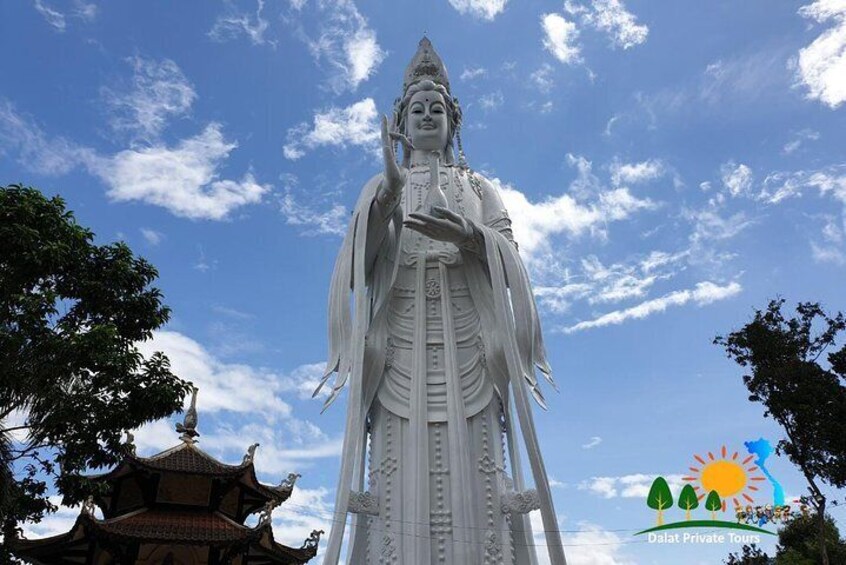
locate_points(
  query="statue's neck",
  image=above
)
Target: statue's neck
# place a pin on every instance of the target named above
(420, 157)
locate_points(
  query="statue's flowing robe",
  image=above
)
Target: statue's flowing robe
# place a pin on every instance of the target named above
(439, 353)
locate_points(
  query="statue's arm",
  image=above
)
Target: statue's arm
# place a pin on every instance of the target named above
(494, 216)
(382, 208)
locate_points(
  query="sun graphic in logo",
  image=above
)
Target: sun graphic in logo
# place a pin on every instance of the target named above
(729, 477)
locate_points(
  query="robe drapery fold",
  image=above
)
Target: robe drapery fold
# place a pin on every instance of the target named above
(502, 294)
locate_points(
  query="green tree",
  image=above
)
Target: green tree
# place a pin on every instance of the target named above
(688, 500)
(798, 542)
(71, 313)
(660, 498)
(713, 503)
(807, 399)
(797, 545)
(749, 555)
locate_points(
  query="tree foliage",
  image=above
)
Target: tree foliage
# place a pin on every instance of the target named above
(784, 357)
(798, 544)
(749, 555)
(71, 378)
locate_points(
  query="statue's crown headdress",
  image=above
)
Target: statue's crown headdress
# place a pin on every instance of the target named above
(426, 64)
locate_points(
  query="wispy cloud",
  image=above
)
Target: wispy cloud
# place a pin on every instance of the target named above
(355, 125)
(628, 486)
(592, 442)
(315, 222)
(482, 9)
(703, 293)
(80, 10)
(605, 284)
(799, 139)
(345, 42)
(492, 100)
(152, 236)
(737, 178)
(542, 78)
(472, 73)
(157, 93)
(636, 173)
(235, 23)
(612, 18)
(52, 16)
(821, 66)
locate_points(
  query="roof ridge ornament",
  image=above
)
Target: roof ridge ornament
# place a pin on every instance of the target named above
(188, 427)
(289, 482)
(251, 452)
(313, 540)
(266, 515)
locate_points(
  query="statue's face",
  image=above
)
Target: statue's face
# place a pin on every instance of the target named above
(427, 123)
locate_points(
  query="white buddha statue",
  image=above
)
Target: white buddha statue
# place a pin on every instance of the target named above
(439, 354)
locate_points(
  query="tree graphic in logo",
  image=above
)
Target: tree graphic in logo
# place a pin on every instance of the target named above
(660, 498)
(713, 503)
(688, 500)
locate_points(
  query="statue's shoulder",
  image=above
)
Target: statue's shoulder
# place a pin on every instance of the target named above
(484, 187)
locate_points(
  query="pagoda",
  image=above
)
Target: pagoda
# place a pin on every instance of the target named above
(179, 507)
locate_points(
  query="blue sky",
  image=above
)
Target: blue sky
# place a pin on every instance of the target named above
(668, 167)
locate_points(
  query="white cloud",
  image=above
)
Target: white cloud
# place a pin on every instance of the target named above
(356, 125)
(255, 395)
(236, 22)
(482, 9)
(560, 36)
(628, 486)
(611, 17)
(821, 66)
(587, 545)
(158, 93)
(346, 42)
(704, 293)
(183, 179)
(492, 100)
(472, 73)
(223, 386)
(737, 179)
(53, 17)
(535, 223)
(592, 442)
(635, 173)
(152, 236)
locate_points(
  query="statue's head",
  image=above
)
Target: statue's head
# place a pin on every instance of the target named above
(427, 112)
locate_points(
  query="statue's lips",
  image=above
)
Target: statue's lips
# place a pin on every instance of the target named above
(428, 127)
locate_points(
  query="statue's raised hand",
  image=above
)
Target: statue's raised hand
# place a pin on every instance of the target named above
(394, 177)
